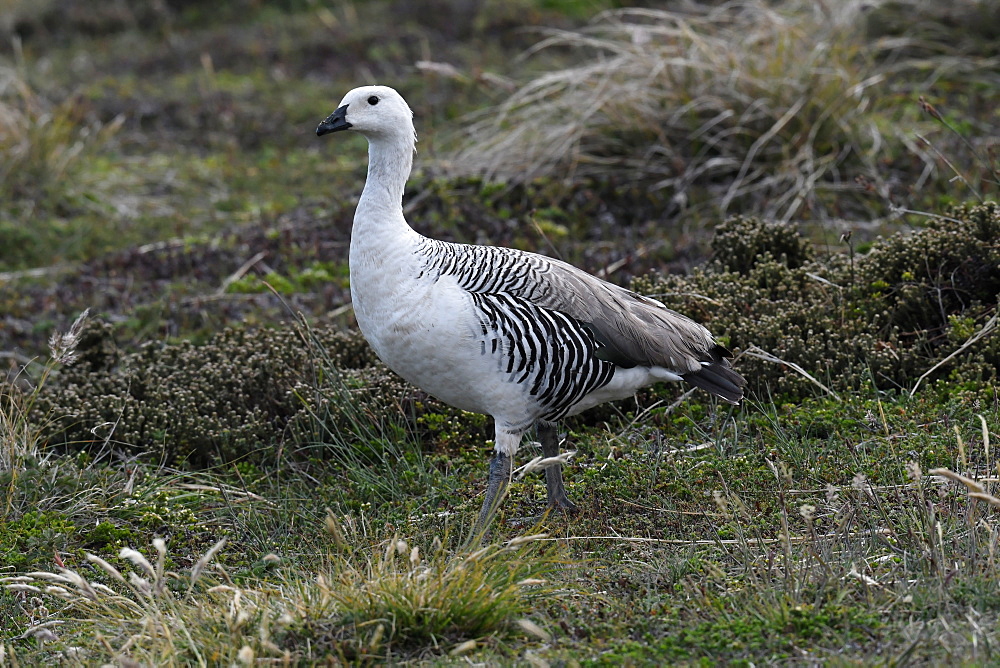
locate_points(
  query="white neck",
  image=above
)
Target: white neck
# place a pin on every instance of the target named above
(381, 240)
(390, 158)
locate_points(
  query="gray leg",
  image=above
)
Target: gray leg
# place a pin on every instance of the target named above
(500, 468)
(549, 439)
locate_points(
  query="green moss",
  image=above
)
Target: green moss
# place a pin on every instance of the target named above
(106, 536)
(34, 537)
(314, 276)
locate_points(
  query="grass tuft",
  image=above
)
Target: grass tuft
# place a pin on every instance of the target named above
(773, 108)
(41, 142)
(365, 605)
(21, 434)
(405, 596)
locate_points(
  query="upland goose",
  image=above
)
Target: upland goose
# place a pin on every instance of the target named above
(519, 336)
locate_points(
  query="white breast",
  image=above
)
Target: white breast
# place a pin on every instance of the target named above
(426, 331)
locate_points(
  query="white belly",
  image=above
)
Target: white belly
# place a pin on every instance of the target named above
(428, 333)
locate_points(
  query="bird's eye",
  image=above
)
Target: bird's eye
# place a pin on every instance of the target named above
(373, 100)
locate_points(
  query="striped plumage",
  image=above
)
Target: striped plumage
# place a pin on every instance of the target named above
(519, 336)
(552, 356)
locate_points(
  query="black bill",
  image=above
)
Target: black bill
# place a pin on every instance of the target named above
(335, 122)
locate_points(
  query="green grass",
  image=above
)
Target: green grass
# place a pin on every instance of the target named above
(786, 534)
(814, 528)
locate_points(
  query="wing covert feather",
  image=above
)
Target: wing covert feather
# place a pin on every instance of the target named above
(631, 327)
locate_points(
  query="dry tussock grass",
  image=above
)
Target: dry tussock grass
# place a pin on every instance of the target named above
(755, 106)
(40, 141)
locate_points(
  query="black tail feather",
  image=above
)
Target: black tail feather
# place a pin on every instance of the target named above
(719, 379)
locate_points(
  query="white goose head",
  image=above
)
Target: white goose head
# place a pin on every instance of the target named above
(374, 111)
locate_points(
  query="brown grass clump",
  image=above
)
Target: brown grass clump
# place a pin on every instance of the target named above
(772, 108)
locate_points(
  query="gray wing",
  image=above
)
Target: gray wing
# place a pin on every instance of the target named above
(637, 329)
(633, 330)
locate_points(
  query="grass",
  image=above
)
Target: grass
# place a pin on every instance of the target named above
(44, 145)
(820, 530)
(403, 599)
(359, 608)
(771, 108)
(803, 528)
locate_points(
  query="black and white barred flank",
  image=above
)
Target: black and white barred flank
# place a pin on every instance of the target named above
(603, 324)
(551, 354)
(487, 269)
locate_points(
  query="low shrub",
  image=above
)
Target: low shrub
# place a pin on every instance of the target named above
(886, 317)
(232, 397)
(883, 318)
(243, 394)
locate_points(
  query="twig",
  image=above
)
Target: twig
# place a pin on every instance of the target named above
(224, 297)
(901, 209)
(161, 245)
(987, 329)
(225, 490)
(714, 302)
(666, 510)
(817, 277)
(709, 541)
(340, 310)
(543, 463)
(7, 276)
(239, 273)
(754, 351)
(23, 360)
(634, 254)
(953, 167)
